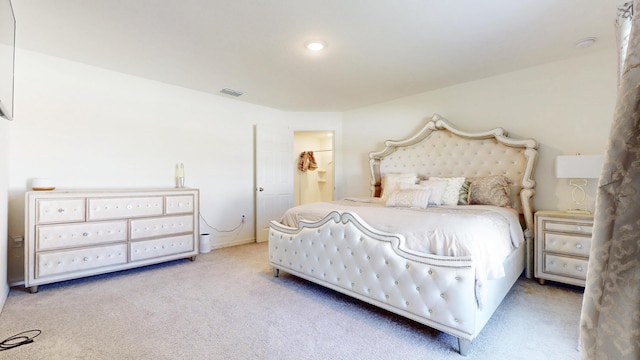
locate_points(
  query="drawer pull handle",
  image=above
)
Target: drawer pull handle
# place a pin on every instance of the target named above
(86, 258)
(579, 246)
(60, 210)
(579, 268)
(85, 234)
(579, 228)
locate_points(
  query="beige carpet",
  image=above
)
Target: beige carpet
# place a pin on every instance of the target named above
(227, 305)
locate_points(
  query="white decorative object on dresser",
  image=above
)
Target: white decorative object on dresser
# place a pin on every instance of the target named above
(76, 233)
(562, 245)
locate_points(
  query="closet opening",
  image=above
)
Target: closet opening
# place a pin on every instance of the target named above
(314, 173)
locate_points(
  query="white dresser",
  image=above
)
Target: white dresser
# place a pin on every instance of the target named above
(562, 246)
(76, 233)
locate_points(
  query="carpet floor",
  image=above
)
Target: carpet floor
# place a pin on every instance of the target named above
(228, 305)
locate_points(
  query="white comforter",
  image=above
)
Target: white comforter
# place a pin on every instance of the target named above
(487, 233)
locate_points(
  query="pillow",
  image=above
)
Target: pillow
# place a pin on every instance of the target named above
(452, 191)
(437, 188)
(409, 198)
(490, 190)
(392, 182)
(463, 197)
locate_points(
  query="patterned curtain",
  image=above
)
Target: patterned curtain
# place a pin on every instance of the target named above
(610, 319)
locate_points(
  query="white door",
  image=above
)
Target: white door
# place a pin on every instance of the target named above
(274, 175)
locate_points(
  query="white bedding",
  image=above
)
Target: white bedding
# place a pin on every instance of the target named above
(487, 233)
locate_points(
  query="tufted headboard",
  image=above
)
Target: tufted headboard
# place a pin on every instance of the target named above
(440, 150)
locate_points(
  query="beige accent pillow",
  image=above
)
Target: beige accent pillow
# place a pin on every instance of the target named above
(452, 191)
(409, 198)
(392, 182)
(490, 190)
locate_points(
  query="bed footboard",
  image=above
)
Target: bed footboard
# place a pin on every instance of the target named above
(345, 254)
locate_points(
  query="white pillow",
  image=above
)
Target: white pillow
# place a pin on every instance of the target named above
(452, 192)
(436, 187)
(409, 198)
(392, 182)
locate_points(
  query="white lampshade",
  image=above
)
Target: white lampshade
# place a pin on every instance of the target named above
(579, 166)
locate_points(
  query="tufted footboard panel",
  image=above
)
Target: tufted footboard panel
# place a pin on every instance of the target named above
(343, 253)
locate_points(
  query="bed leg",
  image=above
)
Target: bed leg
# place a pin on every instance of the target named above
(276, 272)
(464, 345)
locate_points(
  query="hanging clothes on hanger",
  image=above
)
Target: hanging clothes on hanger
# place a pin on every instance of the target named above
(306, 161)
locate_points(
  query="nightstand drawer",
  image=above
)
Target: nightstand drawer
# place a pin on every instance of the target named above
(571, 267)
(577, 228)
(567, 244)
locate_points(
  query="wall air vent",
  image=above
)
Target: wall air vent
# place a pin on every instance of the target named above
(231, 92)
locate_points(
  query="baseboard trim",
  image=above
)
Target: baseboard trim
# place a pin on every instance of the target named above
(233, 243)
(4, 296)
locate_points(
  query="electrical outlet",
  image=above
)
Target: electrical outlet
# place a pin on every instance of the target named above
(243, 219)
(17, 240)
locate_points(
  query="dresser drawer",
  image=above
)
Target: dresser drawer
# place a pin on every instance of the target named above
(576, 228)
(114, 208)
(179, 204)
(59, 210)
(49, 237)
(68, 261)
(141, 250)
(169, 225)
(567, 244)
(570, 267)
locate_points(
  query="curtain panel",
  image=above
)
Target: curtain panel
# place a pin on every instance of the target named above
(610, 318)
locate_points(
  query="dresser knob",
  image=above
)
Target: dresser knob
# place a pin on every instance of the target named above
(579, 246)
(60, 210)
(85, 234)
(579, 268)
(86, 258)
(579, 228)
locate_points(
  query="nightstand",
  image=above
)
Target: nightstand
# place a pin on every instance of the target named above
(562, 246)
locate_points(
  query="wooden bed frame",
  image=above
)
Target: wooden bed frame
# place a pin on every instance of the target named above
(343, 253)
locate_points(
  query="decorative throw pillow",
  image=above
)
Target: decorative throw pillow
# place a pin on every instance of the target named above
(452, 191)
(463, 197)
(437, 188)
(490, 190)
(409, 198)
(392, 182)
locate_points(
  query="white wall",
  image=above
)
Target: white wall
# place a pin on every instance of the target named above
(566, 106)
(4, 186)
(87, 127)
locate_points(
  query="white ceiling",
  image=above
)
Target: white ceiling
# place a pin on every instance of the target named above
(378, 50)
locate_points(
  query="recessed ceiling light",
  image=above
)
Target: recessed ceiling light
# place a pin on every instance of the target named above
(316, 45)
(585, 43)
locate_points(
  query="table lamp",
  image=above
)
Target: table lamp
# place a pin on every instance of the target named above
(578, 168)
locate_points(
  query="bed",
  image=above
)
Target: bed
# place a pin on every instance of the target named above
(373, 249)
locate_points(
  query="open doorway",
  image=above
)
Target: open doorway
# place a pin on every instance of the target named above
(312, 185)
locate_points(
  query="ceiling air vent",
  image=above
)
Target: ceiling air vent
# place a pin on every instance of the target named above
(231, 92)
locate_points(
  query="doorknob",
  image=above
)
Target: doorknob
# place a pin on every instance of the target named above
(260, 189)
